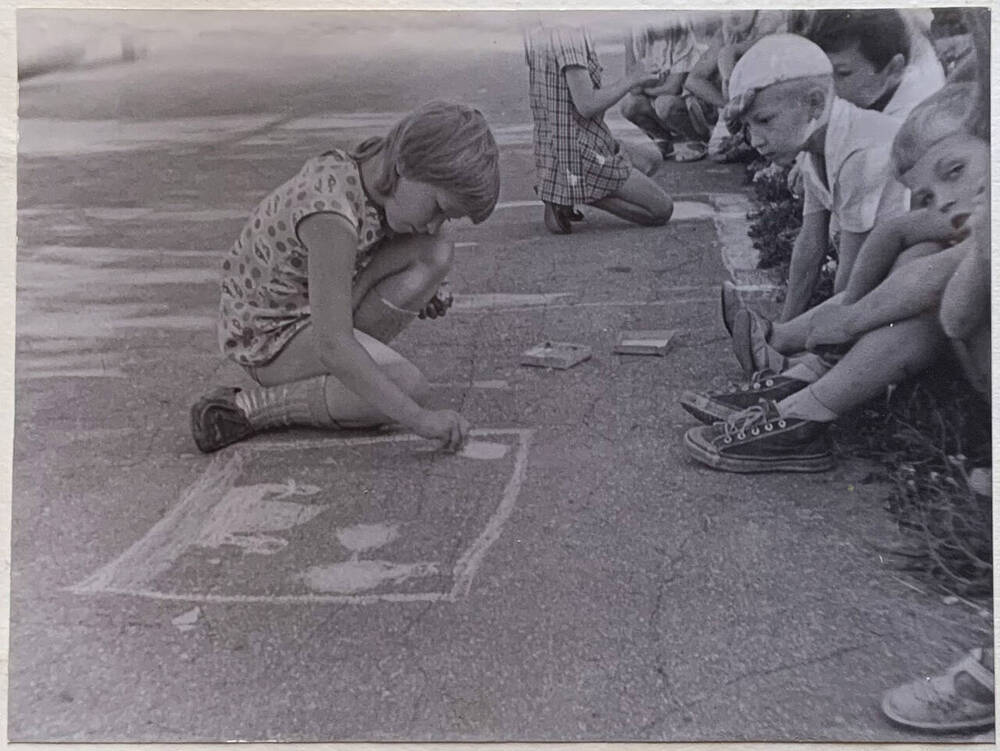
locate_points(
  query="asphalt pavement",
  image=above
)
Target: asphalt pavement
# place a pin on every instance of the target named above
(580, 580)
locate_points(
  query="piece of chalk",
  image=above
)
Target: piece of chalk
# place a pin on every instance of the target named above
(483, 450)
(644, 342)
(559, 355)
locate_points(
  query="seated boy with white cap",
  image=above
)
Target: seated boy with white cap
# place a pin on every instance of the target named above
(782, 91)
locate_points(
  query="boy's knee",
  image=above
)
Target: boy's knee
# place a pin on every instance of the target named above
(667, 106)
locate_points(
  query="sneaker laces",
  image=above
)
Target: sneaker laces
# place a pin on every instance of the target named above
(756, 380)
(749, 420)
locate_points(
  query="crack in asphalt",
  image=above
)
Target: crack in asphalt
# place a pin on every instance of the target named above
(670, 564)
(794, 665)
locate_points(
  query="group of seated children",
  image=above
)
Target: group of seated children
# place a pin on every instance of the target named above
(912, 282)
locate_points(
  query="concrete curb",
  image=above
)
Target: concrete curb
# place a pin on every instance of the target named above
(756, 288)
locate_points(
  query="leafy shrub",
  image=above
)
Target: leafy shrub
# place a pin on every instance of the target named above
(927, 436)
(775, 222)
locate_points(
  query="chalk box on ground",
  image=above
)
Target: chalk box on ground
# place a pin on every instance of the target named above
(655, 342)
(559, 355)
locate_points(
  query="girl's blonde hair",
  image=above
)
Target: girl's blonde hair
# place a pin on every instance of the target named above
(945, 113)
(446, 145)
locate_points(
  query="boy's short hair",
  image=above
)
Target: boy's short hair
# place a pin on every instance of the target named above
(942, 115)
(880, 35)
(446, 145)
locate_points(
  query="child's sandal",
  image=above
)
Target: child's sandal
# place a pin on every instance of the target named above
(216, 421)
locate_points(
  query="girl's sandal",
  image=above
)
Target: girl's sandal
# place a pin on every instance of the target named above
(935, 703)
(216, 421)
(556, 220)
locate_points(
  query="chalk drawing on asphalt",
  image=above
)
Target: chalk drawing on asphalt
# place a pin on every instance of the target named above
(234, 537)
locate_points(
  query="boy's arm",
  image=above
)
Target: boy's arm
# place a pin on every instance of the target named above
(965, 304)
(909, 290)
(847, 253)
(698, 82)
(807, 260)
(887, 240)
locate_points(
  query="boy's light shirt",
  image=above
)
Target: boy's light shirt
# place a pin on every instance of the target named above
(920, 79)
(857, 152)
(673, 52)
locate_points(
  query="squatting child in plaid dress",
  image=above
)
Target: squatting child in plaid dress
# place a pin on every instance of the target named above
(577, 158)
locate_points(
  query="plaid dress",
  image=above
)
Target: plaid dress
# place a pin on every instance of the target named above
(577, 158)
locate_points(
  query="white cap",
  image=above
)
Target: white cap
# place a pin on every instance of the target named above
(774, 59)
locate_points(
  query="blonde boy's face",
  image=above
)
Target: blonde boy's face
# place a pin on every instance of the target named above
(952, 177)
(778, 123)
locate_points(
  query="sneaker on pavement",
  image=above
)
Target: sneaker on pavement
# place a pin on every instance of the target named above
(715, 406)
(750, 331)
(758, 439)
(939, 703)
(217, 422)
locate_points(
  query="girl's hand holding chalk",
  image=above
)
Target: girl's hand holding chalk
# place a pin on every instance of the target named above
(445, 425)
(438, 305)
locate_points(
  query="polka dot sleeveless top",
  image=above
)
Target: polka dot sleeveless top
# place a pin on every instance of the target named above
(265, 284)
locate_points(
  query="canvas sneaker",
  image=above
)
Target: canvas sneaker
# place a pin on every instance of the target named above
(217, 422)
(939, 703)
(750, 330)
(716, 406)
(758, 439)
(729, 300)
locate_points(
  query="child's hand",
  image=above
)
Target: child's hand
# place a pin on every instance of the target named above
(445, 425)
(438, 305)
(829, 326)
(642, 77)
(930, 225)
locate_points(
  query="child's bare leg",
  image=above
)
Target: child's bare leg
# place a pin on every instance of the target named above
(672, 112)
(879, 358)
(789, 337)
(413, 271)
(297, 389)
(296, 386)
(911, 288)
(639, 110)
(639, 200)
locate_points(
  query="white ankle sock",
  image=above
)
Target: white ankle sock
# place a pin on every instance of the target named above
(807, 367)
(803, 405)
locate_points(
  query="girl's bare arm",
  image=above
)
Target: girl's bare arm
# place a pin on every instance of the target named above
(591, 102)
(332, 242)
